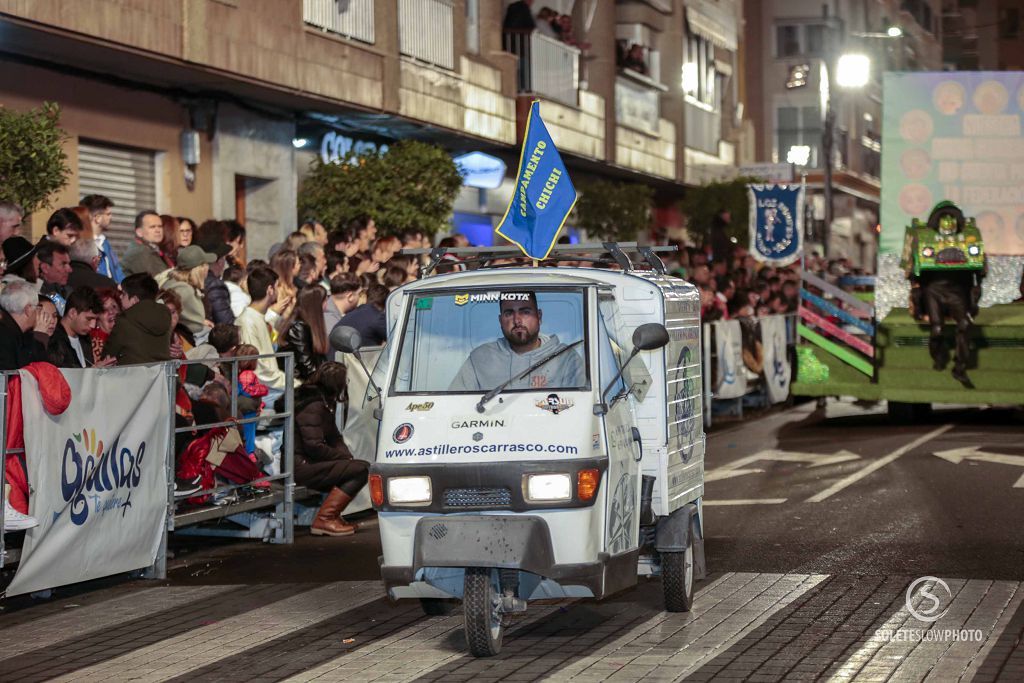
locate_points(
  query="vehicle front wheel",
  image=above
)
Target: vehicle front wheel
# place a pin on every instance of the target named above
(481, 608)
(677, 578)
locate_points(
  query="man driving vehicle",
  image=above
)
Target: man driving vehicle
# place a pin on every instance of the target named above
(521, 346)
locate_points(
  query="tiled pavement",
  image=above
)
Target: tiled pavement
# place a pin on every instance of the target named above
(756, 627)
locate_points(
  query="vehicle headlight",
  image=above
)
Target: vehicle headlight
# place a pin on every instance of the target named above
(973, 250)
(545, 487)
(408, 490)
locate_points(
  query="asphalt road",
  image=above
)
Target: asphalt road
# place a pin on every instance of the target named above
(890, 510)
(913, 514)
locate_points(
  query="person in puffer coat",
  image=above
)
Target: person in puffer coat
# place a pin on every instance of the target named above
(322, 460)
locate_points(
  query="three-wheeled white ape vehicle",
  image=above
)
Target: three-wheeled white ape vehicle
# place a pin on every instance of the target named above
(540, 436)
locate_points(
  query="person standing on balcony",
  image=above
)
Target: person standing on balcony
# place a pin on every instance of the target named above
(518, 17)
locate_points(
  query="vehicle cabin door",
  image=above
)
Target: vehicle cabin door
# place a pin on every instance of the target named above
(622, 485)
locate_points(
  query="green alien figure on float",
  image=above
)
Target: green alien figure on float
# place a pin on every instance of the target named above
(945, 262)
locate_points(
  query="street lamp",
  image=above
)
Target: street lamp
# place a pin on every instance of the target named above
(853, 71)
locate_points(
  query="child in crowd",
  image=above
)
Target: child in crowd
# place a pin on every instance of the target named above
(249, 386)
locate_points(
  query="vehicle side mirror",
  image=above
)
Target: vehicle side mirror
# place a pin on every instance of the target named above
(647, 337)
(348, 340)
(650, 336)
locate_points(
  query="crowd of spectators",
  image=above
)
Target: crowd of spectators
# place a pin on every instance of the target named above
(519, 16)
(183, 290)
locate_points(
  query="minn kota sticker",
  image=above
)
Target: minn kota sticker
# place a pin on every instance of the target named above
(403, 433)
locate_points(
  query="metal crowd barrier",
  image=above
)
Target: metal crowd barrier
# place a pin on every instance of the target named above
(709, 356)
(283, 500)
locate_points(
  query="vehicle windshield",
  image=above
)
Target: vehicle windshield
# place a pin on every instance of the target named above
(476, 340)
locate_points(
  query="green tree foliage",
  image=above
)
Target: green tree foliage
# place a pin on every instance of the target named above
(614, 211)
(33, 164)
(411, 186)
(702, 204)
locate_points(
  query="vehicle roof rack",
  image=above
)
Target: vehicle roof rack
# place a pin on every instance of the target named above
(608, 253)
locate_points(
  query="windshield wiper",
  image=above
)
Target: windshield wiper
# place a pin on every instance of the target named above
(498, 389)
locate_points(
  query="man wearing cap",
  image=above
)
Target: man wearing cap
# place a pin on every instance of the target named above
(22, 264)
(144, 255)
(187, 280)
(19, 306)
(216, 297)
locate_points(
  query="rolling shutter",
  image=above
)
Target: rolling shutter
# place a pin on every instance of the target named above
(127, 176)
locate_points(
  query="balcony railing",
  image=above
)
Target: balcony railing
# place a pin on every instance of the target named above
(703, 128)
(426, 29)
(352, 19)
(546, 66)
(637, 101)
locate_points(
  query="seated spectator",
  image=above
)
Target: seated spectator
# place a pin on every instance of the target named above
(182, 339)
(19, 313)
(254, 330)
(314, 232)
(70, 345)
(54, 270)
(144, 255)
(369, 319)
(21, 260)
(545, 22)
(362, 264)
(306, 337)
(187, 281)
(169, 244)
(186, 231)
(106, 320)
(85, 257)
(344, 297)
(386, 247)
(224, 338)
(142, 333)
(322, 460)
(63, 227)
(216, 294)
(294, 241)
(47, 320)
(234, 277)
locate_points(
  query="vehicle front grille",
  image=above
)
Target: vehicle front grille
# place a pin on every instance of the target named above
(951, 255)
(478, 497)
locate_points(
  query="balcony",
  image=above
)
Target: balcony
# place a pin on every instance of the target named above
(638, 101)
(644, 141)
(547, 67)
(353, 19)
(425, 31)
(703, 128)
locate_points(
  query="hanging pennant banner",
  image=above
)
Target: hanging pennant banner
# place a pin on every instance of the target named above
(776, 223)
(544, 195)
(776, 363)
(732, 380)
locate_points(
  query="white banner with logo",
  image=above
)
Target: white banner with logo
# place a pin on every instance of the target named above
(732, 381)
(98, 477)
(776, 362)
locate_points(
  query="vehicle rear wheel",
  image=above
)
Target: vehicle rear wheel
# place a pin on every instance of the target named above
(436, 607)
(677, 578)
(481, 610)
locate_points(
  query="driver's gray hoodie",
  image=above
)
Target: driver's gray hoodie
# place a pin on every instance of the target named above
(493, 363)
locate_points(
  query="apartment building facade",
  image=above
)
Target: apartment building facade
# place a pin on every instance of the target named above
(216, 107)
(801, 115)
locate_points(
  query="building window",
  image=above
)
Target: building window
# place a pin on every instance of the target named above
(349, 18)
(797, 126)
(124, 174)
(425, 31)
(796, 40)
(699, 76)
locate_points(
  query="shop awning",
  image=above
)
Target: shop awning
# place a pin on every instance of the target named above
(712, 22)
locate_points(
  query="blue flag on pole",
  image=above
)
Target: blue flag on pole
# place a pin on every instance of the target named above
(544, 195)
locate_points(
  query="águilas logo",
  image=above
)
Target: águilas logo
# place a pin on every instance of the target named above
(89, 470)
(927, 609)
(402, 433)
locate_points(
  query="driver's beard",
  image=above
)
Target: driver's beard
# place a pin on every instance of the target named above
(521, 347)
